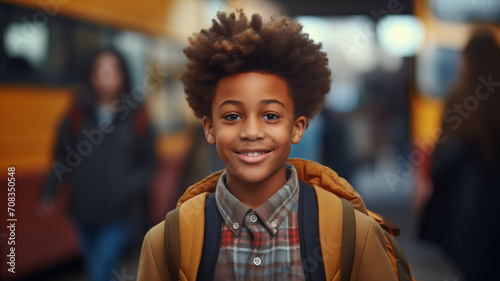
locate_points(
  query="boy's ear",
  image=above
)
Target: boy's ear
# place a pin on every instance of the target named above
(299, 126)
(208, 127)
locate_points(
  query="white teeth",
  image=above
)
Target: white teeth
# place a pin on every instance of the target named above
(252, 154)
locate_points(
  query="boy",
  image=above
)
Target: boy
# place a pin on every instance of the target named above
(256, 85)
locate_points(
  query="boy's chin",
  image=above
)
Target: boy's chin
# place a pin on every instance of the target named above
(251, 175)
(250, 179)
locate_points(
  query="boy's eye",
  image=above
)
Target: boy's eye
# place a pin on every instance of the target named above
(231, 117)
(271, 116)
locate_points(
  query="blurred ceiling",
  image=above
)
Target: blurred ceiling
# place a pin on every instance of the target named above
(374, 8)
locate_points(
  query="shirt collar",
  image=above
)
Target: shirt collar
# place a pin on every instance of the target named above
(272, 212)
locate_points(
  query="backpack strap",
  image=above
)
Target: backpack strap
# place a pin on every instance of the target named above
(140, 122)
(402, 264)
(308, 208)
(310, 247)
(172, 243)
(392, 228)
(75, 120)
(211, 240)
(348, 240)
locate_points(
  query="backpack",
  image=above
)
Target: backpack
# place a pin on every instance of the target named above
(308, 234)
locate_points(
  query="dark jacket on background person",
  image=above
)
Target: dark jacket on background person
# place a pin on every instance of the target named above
(462, 212)
(108, 167)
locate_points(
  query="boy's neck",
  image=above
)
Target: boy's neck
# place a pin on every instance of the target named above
(254, 194)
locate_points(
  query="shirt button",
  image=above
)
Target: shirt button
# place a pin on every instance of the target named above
(274, 224)
(253, 218)
(257, 261)
(236, 225)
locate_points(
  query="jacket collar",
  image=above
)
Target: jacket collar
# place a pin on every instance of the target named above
(307, 171)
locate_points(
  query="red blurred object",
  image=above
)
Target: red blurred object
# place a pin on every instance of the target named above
(41, 240)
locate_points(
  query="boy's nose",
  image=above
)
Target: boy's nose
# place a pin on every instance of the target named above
(252, 130)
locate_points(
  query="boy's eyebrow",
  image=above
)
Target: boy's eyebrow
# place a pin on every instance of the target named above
(235, 102)
(262, 102)
(272, 101)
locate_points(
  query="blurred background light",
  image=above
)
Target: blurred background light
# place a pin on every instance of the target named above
(400, 35)
(318, 28)
(28, 41)
(349, 41)
(343, 99)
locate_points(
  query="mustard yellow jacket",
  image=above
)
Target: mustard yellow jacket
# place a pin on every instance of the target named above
(371, 261)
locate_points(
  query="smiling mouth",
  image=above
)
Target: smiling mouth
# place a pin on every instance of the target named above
(253, 153)
(253, 157)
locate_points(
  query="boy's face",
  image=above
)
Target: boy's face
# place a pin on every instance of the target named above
(253, 126)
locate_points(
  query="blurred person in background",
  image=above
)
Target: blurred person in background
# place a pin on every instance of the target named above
(105, 150)
(461, 215)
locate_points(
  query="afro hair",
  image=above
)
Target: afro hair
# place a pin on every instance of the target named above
(235, 45)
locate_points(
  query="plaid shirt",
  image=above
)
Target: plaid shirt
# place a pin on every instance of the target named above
(260, 244)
